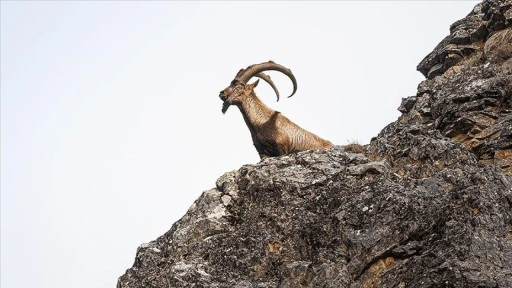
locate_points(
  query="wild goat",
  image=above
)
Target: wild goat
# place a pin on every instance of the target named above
(272, 133)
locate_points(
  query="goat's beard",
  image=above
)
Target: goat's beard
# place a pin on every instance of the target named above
(225, 107)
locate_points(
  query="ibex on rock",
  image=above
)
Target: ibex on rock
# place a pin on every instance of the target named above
(272, 133)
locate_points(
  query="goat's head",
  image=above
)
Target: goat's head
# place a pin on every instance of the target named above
(239, 89)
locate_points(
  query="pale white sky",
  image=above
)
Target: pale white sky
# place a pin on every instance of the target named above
(111, 125)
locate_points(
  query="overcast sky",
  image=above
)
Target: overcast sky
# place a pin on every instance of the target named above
(111, 125)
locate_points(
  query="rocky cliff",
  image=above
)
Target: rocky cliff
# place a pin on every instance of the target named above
(428, 203)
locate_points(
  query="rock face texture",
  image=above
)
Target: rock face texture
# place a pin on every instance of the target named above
(428, 203)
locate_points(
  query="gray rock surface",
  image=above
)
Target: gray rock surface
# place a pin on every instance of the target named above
(428, 203)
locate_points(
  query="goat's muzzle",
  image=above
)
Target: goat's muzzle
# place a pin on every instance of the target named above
(225, 104)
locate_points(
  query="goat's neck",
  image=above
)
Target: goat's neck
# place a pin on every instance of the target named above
(255, 112)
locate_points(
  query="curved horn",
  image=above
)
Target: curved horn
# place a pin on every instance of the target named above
(255, 69)
(269, 81)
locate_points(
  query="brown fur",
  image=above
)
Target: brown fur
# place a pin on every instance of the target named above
(272, 133)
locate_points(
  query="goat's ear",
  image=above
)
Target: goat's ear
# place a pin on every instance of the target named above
(255, 83)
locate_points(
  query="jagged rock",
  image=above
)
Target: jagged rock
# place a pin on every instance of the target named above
(427, 203)
(407, 104)
(498, 47)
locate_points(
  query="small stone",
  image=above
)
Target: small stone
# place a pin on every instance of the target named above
(226, 200)
(407, 104)
(436, 70)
